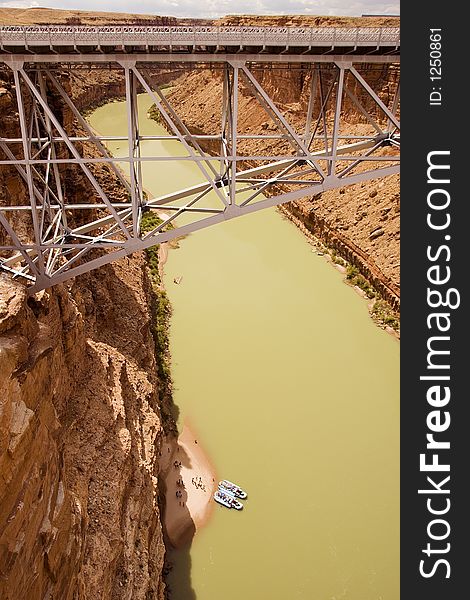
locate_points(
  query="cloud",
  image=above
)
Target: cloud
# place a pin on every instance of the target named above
(19, 4)
(218, 8)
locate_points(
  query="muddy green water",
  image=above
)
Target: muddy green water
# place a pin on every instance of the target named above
(294, 393)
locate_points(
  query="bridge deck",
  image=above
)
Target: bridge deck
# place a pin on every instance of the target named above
(284, 42)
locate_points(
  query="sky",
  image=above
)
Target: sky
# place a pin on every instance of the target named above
(217, 8)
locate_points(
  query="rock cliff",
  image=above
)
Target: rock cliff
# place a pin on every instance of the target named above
(80, 427)
(82, 419)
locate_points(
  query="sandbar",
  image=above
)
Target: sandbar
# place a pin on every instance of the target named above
(189, 482)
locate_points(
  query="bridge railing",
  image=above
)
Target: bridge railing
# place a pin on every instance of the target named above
(223, 36)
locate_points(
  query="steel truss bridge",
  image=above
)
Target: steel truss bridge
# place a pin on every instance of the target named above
(65, 237)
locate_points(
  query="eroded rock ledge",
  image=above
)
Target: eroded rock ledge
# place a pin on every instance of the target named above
(80, 430)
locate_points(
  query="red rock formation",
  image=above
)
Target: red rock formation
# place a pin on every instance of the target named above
(82, 417)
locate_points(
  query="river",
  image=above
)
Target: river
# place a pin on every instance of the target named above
(294, 393)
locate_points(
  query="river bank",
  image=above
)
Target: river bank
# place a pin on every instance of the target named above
(381, 312)
(189, 481)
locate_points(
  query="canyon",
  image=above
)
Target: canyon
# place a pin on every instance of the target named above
(84, 409)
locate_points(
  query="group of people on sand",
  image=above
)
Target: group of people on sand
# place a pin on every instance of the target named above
(198, 483)
(179, 483)
(179, 493)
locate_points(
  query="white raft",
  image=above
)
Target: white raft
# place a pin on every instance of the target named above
(227, 500)
(232, 488)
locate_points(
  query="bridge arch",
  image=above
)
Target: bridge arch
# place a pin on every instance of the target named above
(321, 155)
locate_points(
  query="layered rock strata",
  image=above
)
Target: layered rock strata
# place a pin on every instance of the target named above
(82, 420)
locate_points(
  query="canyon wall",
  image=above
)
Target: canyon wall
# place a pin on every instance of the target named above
(82, 420)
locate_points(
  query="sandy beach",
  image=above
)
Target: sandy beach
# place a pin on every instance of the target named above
(189, 482)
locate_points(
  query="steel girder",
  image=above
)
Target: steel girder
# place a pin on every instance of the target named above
(67, 237)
